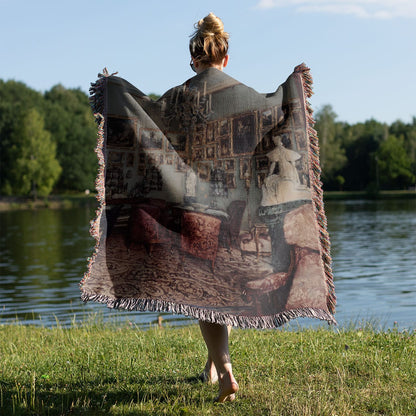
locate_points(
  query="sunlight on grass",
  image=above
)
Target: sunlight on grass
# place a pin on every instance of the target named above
(115, 368)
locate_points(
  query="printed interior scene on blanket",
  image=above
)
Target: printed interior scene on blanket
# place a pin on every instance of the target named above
(210, 202)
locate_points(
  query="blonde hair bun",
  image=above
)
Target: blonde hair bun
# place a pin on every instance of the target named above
(209, 42)
(211, 25)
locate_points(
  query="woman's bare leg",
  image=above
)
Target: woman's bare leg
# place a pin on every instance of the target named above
(216, 339)
(209, 374)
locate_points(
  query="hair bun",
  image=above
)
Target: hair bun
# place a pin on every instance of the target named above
(211, 25)
(209, 43)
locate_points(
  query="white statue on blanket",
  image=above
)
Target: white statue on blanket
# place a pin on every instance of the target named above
(284, 186)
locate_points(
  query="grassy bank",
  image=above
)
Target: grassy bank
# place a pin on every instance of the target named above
(104, 369)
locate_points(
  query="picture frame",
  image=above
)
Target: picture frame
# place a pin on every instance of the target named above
(230, 180)
(224, 127)
(224, 147)
(176, 142)
(262, 163)
(211, 132)
(169, 159)
(121, 132)
(244, 133)
(204, 170)
(115, 158)
(298, 120)
(301, 140)
(267, 118)
(151, 139)
(229, 165)
(245, 168)
(198, 153)
(210, 152)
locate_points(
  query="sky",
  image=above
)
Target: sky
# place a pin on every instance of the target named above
(362, 53)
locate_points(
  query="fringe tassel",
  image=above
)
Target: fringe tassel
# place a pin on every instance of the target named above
(97, 103)
(317, 193)
(257, 322)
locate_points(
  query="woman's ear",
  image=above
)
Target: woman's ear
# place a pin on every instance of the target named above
(225, 61)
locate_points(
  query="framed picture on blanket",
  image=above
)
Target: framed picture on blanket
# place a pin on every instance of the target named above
(121, 132)
(151, 138)
(204, 170)
(244, 133)
(245, 168)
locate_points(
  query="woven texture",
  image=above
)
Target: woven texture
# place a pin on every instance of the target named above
(210, 202)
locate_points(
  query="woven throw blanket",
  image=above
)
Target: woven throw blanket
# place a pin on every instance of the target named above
(210, 202)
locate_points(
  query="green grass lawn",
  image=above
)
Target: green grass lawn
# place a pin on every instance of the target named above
(119, 369)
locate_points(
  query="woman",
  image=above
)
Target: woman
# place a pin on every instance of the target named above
(219, 128)
(209, 49)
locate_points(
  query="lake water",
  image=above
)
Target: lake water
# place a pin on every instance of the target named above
(43, 257)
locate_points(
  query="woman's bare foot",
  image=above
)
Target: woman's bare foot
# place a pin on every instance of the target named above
(209, 375)
(228, 388)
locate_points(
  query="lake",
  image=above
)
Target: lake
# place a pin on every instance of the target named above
(43, 256)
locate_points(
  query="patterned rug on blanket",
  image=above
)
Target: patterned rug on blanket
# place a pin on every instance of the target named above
(210, 202)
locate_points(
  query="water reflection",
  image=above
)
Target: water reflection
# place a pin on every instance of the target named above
(374, 260)
(43, 257)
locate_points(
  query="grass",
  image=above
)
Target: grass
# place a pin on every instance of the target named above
(118, 369)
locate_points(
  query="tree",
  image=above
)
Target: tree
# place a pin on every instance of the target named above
(362, 141)
(35, 169)
(15, 99)
(154, 96)
(71, 123)
(332, 154)
(408, 133)
(394, 164)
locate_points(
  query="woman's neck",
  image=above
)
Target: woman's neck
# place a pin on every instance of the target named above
(202, 68)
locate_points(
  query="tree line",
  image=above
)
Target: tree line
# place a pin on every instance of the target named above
(47, 143)
(369, 156)
(47, 140)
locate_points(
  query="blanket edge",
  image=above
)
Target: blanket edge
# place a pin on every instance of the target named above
(205, 314)
(317, 191)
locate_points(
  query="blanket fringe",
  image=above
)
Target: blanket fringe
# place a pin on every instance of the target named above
(255, 322)
(317, 192)
(97, 103)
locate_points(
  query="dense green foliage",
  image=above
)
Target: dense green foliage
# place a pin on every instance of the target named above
(71, 121)
(59, 154)
(365, 156)
(109, 369)
(35, 167)
(47, 140)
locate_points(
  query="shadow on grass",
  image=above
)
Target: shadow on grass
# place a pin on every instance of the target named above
(100, 396)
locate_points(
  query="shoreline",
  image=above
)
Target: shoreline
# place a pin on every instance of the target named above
(67, 201)
(62, 201)
(364, 195)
